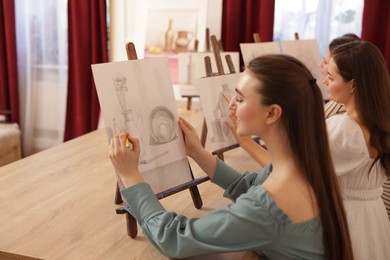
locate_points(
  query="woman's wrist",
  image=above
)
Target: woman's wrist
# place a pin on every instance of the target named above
(246, 141)
(131, 179)
(206, 161)
(197, 156)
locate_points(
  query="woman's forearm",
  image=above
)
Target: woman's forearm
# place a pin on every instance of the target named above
(206, 162)
(256, 151)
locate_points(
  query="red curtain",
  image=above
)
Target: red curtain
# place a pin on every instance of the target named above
(376, 25)
(87, 45)
(9, 95)
(242, 18)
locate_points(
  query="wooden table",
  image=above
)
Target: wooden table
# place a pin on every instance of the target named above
(59, 204)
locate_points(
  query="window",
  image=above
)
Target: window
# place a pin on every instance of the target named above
(42, 50)
(323, 20)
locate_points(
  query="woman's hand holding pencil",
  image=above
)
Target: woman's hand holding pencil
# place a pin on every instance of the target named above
(124, 159)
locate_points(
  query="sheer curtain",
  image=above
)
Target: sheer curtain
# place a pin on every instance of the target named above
(41, 28)
(323, 20)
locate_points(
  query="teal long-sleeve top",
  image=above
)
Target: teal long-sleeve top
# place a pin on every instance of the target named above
(252, 222)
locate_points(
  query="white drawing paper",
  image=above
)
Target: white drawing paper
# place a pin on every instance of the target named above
(306, 51)
(215, 95)
(192, 68)
(250, 51)
(137, 97)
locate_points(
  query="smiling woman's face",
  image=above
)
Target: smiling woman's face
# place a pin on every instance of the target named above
(249, 111)
(324, 66)
(338, 89)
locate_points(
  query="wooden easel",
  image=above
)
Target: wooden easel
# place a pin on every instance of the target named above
(191, 185)
(209, 73)
(217, 55)
(256, 37)
(189, 97)
(196, 45)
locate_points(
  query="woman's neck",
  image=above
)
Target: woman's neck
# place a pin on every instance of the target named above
(282, 157)
(351, 111)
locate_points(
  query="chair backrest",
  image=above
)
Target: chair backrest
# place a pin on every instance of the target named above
(5, 116)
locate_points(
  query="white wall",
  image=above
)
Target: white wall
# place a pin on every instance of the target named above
(144, 22)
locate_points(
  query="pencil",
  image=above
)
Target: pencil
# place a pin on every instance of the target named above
(128, 144)
(227, 100)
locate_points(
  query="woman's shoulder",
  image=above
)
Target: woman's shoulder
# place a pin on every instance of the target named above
(346, 141)
(263, 203)
(259, 200)
(263, 174)
(341, 120)
(344, 129)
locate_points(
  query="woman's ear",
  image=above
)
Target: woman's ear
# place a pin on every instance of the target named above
(274, 113)
(352, 86)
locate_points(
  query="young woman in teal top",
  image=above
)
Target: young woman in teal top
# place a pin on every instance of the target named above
(292, 209)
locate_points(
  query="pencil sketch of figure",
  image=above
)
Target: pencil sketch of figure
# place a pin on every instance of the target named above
(224, 98)
(131, 122)
(162, 125)
(221, 114)
(120, 89)
(217, 127)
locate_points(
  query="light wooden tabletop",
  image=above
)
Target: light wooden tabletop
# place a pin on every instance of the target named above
(59, 204)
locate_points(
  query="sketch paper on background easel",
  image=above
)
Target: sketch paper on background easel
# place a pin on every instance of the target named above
(215, 95)
(137, 97)
(191, 68)
(306, 51)
(250, 51)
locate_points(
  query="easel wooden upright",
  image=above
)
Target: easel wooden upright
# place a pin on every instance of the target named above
(191, 185)
(256, 37)
(217, 55)
(189, 96)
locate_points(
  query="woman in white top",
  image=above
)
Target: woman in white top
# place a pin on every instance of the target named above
(332, 107)
(360, 143)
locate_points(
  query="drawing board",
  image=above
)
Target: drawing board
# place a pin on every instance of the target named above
(306, 51)
(215, 95)
(192, 68)
(253, 50)
(137, 96)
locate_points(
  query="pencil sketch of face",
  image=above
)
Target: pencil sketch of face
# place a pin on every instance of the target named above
(162, 126)
(120, 88)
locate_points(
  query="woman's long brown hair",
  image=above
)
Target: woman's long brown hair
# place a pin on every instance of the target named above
(286, 81)
(363, 62)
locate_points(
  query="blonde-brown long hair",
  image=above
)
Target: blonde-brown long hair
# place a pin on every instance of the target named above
(286, 81)
(364, 63)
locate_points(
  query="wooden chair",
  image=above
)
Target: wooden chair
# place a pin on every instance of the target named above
(10, 139)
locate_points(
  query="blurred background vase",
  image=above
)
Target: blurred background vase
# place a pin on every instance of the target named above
(169, 37)
(183, 40)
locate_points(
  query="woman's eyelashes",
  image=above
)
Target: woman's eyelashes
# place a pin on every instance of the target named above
(238, 99)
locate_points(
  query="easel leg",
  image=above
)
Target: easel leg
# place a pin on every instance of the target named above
(131, 225)
(196, 199)
(189, 103)
(203, 134)
(118, 197)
